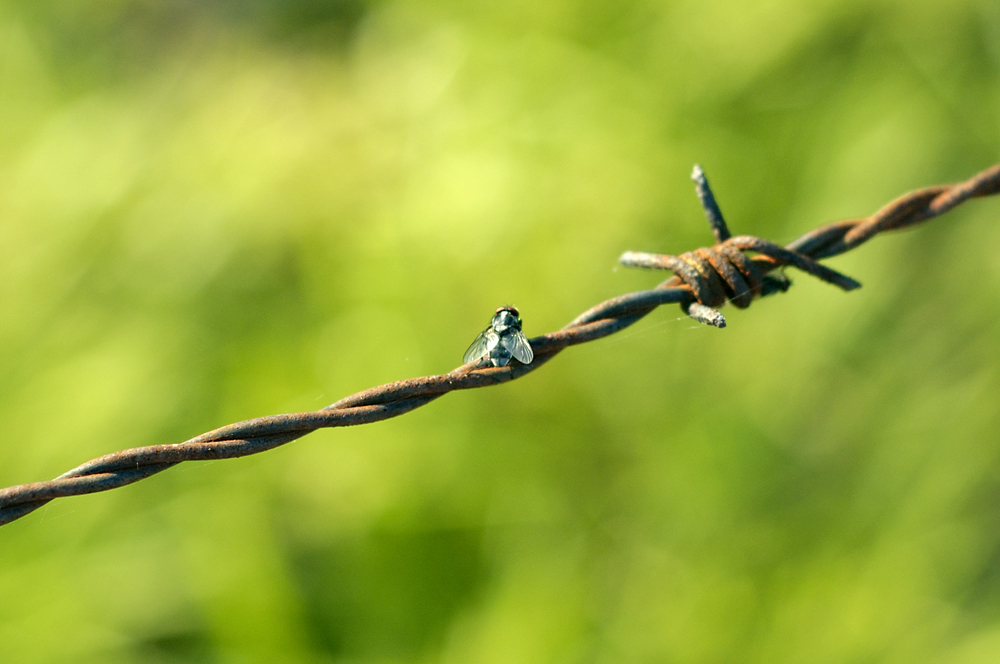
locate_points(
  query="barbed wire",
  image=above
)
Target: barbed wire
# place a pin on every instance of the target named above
(704, 279)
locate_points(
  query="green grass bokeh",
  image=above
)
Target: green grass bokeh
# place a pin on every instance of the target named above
(217, 211)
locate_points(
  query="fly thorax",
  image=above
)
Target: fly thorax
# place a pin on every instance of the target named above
(504, 320)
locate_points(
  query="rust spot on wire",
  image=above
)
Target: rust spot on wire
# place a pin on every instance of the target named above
(704, 279)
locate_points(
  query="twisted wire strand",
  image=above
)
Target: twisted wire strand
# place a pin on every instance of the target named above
(704, 279)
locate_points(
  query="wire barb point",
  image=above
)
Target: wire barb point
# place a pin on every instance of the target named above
(706, 315)
(712, 211)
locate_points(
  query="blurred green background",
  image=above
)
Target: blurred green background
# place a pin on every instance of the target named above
(217, 211)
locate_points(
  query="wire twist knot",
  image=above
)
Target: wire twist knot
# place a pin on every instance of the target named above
(724, 273)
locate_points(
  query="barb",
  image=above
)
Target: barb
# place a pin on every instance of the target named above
(704, 279)
(712, 211)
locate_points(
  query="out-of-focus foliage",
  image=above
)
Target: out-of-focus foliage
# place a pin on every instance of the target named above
(215, 211)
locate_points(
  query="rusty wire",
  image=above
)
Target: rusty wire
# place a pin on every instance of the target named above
(704, 279)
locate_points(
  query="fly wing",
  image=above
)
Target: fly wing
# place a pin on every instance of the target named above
(518, 346)
(481, 346)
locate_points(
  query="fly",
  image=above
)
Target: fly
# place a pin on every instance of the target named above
(502, 340)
